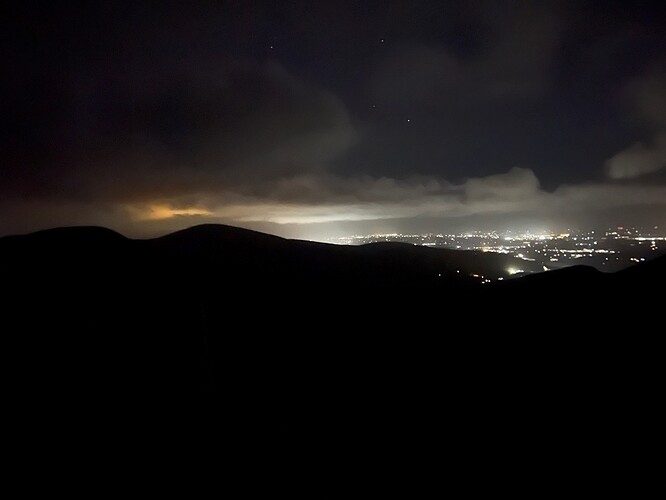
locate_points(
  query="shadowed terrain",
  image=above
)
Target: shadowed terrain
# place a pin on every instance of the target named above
(222, 317)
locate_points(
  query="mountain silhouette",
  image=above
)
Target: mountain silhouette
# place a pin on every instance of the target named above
(218, 316)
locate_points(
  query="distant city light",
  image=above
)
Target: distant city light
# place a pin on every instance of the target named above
(540, 250)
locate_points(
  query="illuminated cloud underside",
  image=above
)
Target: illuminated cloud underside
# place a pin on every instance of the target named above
(516, 191)
(158, 212)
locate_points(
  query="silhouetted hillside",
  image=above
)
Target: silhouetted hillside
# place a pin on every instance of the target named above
(216, 315)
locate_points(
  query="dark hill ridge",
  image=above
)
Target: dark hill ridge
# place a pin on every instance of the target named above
(212, 242)
(217, 313)
(239, 253)
(69, 238)
(239, 266)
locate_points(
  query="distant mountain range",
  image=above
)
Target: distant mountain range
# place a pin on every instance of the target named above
(218, 315)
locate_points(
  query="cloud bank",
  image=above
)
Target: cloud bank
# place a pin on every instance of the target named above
(326, 198)
(639, 159)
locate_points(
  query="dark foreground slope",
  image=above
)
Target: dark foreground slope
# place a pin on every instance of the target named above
(217, 317)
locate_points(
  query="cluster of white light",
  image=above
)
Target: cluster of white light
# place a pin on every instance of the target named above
(528, 246)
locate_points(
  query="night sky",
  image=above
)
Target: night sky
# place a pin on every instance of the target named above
(316, 119)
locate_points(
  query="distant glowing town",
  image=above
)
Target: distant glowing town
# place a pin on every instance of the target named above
(607, 250)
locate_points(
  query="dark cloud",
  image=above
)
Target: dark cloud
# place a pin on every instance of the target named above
(514, 60)
(415, 75)
(222, 125)
(647, 96)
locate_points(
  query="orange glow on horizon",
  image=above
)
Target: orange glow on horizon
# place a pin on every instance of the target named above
(158, 212)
